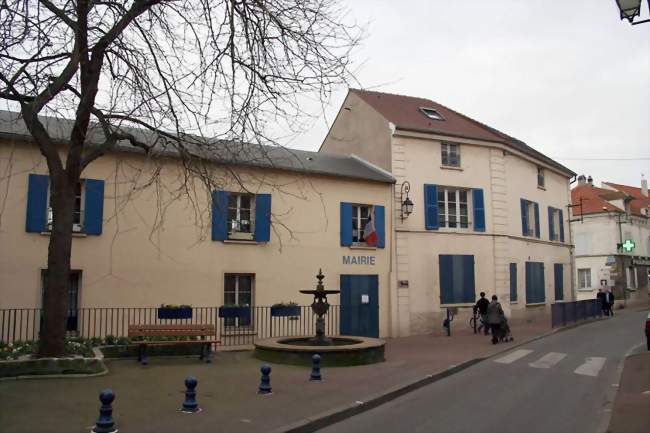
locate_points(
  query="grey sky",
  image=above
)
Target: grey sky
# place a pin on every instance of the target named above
(568, 78)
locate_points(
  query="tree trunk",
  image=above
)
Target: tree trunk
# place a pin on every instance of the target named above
(55, 296)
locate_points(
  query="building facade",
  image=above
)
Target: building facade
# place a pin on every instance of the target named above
(612, 238)
(257, 239)
(490, 213)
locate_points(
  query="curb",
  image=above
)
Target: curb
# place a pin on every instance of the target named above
(324, 419)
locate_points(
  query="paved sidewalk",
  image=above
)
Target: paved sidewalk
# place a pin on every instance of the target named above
(631, 412)
(148, 398)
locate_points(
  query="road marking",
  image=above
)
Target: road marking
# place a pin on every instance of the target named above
(513, 356)
(548, 360)
(591, 367)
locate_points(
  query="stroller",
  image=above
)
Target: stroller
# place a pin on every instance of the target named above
(503, 332)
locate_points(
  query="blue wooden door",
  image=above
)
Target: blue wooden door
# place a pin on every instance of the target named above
(360, 305)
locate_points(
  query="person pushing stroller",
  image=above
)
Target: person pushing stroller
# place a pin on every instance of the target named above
(498, 322)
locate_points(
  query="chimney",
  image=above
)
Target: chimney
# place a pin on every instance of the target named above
(590, 181)
(581, 180)
(644, 186)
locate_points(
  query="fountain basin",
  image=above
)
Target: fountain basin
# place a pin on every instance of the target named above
(343, 350)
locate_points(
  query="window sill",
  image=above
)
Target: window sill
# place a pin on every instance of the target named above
(450, 167)
(541, 187)
(362, 247)
(242, 242)
(461, 305)
(585, 290)
(514, 302)
(536, 304)
(74, 234)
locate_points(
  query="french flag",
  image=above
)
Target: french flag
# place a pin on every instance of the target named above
(369, 232)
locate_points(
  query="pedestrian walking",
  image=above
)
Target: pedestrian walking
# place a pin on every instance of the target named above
(609, 302)
(494, 317)
(601, 300)
(482, 307)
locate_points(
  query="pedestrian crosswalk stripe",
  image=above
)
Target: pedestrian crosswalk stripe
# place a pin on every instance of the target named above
(513, 356)
(591, 367)
(548, 360)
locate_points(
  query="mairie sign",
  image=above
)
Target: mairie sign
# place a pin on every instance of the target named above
(359, 260)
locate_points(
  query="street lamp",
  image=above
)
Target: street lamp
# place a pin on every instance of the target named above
(630, 9)
(407, 204)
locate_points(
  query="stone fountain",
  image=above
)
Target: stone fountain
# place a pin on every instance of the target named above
(320, 307)
(334, 351)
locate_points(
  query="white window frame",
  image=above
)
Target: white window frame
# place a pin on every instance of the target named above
(447, 191)
(581, 273)
(449, 149)
(556, 224)
(357, 211)
(234, 225)
(80, 198)
(531, 219)
(541, 176)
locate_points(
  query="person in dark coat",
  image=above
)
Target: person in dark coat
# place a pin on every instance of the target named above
(494, 316)
(601, 300)
(481, 307)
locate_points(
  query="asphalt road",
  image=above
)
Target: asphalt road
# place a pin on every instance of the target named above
(562, 383)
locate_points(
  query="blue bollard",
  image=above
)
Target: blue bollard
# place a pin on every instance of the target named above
(265, 384)
(190, 405)
(105, 423)
(315, 368)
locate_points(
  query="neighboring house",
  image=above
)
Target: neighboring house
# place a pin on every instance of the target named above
(256, 240)
(490, 212)
(612, 238)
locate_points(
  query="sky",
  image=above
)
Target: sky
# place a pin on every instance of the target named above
(567, 77)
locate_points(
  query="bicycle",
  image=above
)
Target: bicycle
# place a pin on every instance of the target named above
(480, 325)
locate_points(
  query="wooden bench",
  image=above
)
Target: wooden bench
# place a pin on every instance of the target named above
(205, 332)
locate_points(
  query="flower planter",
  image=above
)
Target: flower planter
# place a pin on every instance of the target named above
(175, 313)
(285, 310)
(231, 312)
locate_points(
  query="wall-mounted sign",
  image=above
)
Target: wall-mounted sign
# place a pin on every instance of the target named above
(365, 299)
(641, 262)
(403, 284)
(611, 260)
(359, 260)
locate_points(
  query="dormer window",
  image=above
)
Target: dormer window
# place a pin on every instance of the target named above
(431, 113)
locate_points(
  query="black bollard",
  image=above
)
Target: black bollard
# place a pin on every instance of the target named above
(315, 368)
(190, 405)
(105, 423)
(265, 384)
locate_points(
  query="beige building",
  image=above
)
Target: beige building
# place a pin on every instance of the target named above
(490, 213)
(277, 217)
(612, 239)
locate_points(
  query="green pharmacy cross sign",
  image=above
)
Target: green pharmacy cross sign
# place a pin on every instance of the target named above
(628, 245)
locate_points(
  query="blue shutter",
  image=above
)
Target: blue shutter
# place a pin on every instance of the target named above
(346, 224)
(524, 217)
(529, 283)
(551, 228)
(469, 291)
(446, 279)
(559, 281)
(94, 207)
(380, 226)
(561, 225)
(431, 207)
(262, 218)
(537, 231)
(535, 286)
(219, 215)
(479, 210)
(513, 282)
(36, 203)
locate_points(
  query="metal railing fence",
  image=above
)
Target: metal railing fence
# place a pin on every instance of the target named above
(565, 313)
(23, 324)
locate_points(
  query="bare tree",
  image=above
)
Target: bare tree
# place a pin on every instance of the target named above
(179, 69)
